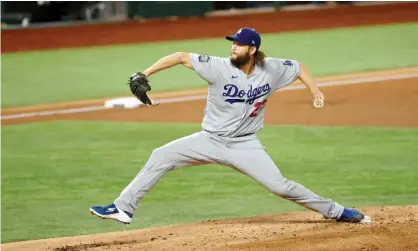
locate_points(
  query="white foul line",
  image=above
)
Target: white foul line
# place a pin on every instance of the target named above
(54, 112)
(201, 97)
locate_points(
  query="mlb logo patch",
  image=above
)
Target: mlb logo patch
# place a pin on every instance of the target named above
(204, 58)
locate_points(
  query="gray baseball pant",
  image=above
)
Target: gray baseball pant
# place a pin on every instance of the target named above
(245, 154)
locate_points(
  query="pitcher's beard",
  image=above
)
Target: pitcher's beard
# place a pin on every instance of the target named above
(240, 60)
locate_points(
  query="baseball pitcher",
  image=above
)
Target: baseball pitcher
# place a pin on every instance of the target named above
(238, 93)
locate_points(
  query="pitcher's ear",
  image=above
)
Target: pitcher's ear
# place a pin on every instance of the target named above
(253, 50)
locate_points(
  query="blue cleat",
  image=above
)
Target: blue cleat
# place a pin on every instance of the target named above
(112, 212)
(353, 216)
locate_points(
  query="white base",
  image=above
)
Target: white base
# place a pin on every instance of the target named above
(124, 102)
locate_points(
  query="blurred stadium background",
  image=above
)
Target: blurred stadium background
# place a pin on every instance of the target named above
(27, 13)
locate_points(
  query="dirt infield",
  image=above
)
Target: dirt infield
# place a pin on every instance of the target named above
(388, 103)
(381, 103)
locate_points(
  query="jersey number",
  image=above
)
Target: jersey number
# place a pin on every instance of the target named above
(258, 106)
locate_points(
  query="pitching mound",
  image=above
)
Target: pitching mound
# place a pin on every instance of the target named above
(394, 228)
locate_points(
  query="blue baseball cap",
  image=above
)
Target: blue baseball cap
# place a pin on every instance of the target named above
(247, 36)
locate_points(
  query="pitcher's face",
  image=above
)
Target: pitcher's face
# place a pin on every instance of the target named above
(240, 54)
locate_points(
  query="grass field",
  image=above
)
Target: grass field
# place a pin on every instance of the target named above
(53, 172)
(30, 78)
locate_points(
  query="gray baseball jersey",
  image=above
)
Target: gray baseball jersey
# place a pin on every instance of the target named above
(236, 102)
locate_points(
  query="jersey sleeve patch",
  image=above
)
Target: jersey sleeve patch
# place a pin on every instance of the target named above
(204, 58)
(288, 63)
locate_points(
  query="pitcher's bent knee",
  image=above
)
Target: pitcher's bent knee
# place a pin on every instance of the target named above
(160, 159)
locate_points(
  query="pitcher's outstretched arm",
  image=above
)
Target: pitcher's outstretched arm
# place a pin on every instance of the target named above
(168, 62)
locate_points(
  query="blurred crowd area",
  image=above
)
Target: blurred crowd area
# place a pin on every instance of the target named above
(26, 13)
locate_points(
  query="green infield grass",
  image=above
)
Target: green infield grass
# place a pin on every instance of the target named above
(52, 172)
